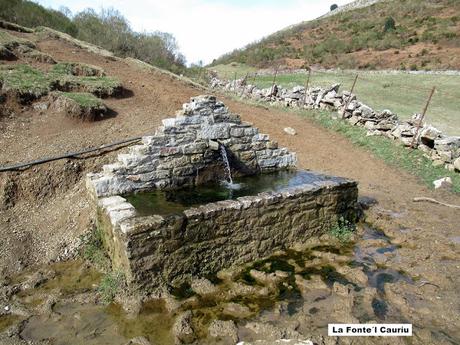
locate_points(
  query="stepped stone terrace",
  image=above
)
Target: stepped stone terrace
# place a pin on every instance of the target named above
(168, 211)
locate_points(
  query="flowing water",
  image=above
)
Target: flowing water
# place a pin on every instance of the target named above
(228, 169)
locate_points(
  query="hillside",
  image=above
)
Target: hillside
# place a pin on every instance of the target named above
(426, 35)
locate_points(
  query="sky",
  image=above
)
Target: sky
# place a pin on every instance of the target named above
(206, 29)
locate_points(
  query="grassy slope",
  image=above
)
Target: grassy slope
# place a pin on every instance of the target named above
(404, 94)
(427, 35)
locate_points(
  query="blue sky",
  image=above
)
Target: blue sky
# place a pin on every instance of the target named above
(206, 29)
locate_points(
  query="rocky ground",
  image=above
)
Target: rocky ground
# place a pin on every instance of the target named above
(45, 211)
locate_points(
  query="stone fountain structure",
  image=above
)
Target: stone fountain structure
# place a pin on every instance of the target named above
(185, 151)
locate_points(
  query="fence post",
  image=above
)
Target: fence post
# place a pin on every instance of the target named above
(243, 84)
(306, 87)
(414, 140)
(349, 97)
(274, 80)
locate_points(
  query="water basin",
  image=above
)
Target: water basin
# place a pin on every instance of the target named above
(176, 201)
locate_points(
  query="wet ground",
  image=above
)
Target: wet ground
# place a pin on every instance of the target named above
(292, 295)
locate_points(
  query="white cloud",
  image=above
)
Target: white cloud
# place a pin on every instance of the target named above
(206, 29)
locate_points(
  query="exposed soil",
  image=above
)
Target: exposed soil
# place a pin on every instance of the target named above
(45, 210)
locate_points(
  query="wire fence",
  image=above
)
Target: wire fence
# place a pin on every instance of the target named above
(403, 93)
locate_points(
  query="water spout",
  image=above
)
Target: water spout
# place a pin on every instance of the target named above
(228, 171)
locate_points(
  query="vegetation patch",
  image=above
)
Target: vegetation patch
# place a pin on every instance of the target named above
(343, 230)
(93, 249)
(110, 284)
(100, 86)
(24, 82)
(27, 84)
(78, 69)
(12, 47)
(80, 105)
(11, 42)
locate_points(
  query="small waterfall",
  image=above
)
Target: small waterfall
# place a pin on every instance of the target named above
(228, 171)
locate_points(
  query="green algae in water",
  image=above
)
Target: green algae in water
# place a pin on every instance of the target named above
(182, 291)
(177, 201)
(6, 321)
(380, 308)
(70, 278)
(329, 275)
(153, 322)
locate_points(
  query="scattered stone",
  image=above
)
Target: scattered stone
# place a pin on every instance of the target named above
(457, 164)
(222, 329)
(366, 202)
(203, 287)
(139, 341)
(182, 329)
(445, 183)
(290, 131)
(236, 310)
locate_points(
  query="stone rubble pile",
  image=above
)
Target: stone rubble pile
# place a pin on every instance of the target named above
(185, 151)
(442, 149)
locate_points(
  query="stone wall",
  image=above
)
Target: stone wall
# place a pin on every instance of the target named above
(442, 149)
(156, 251)
(185, 151)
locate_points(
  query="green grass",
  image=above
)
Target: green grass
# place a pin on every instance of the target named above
(100, 86)
(10, 41)
(228, 71)
(29, 83)
(25, 80)
(404, 94)
(110, 284)
(93, 249)
(391, 152)
(343, 230)
(77, 69)
(84, 99)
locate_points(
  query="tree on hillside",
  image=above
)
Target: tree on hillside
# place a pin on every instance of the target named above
(390, 24)
(334, 7)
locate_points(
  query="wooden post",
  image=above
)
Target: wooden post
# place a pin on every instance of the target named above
(254, 80)
(234, 82)
(349, 97)
(243, 84)
(414, 140)
(306, 87)
(274, 80)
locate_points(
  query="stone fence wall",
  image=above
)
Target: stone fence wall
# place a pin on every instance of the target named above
(155, 251)
(442, 149)
(185, 151)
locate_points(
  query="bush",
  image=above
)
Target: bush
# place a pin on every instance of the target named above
(390, 25)
(110, 285)
(107, 29)
(343, 230)
(334, 7)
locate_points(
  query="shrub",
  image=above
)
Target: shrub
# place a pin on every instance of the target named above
(343, 230)
(390, 25)
(334, 7)
(110, 285)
